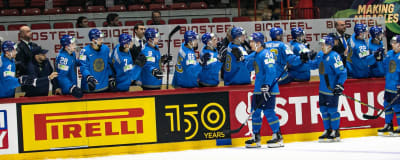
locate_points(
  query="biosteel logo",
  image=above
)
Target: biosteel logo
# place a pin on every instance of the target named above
(68, 125)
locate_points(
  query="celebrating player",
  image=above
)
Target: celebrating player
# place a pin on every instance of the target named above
(376, 44)
(302, 71)
(8, 82)
(211, 66)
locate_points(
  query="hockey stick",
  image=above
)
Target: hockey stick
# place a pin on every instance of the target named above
(383, 110)
(176, 29)
(258, 105)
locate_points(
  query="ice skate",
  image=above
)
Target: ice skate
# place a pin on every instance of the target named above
(254, 142)
(276, 141)
(324, 136)
(387, 130)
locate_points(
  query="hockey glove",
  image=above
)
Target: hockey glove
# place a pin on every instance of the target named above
(157, 73)
(166, 58)
(378, 54)
(304, 56)
(140, 60)
(76, 92)
(238, 54)
(204, 59)
(27, 81)
(91, 83)
(112, 84)
(338, 90)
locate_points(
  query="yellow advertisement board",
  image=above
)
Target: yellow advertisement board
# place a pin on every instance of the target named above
(64, 125)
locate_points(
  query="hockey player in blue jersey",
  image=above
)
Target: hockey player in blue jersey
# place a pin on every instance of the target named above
(390, 67)
(375, 44)
(211, 66)
(332, 75)
(8, 81)
(126, 71)
(95, 64)
(66, 66)
(187, 68)
(151, 75)
(265, 91)
(235, 69)
(283, 54)
(359, 58)
(302, 71)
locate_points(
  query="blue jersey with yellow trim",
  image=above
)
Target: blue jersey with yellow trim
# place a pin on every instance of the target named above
(284, 56)
(265, 69)
(125, 70)
(359, 58)
(374, 69)
(331, 66)
(66, 67)
(391, 68)
(153, 58)
(236, 72)
(8, 82)
(187, 69)
(96, 64)
(302, 71)
(209, 75)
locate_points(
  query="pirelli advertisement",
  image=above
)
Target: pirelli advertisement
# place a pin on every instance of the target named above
(129, 121)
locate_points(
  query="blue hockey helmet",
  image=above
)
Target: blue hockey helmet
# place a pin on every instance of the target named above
(124, 39)
(95, 34)
(207, 37)
(274, 32)
(328, 40)
(190, 36)
(8, 46)
(375, 31)
(257, 37)
(151, 33)
(297, 32)
(395, 39)
(359, 28)
(66, 40)
(237, 32)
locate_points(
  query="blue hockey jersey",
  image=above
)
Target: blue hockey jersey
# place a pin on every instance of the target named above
(187, 69)
(374, 69)
(265, 69)
(330, 66)
(390, 67)
(284, 56)
(359, 58)
(209, 75)
(97, 64)
(153, 58)
(125, 70)
(66, 67)
(236, 72)
(8, 82)
(302, 71)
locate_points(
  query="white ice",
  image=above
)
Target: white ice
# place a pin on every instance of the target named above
(365, 148)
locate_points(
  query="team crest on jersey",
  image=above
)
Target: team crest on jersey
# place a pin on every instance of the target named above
(392, 66)
(98, 65)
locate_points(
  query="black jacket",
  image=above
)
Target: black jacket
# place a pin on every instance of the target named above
(41, 72)
(340, 48)
(135, 50)
(24, 56)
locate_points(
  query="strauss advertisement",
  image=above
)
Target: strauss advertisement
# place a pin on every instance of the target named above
(298, 109)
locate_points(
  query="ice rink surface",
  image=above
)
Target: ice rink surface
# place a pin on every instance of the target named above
(365, 148)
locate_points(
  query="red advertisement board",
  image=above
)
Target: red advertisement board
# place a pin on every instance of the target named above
(298, 109)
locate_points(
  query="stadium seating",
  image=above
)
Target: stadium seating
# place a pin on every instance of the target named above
(15, 27)
(132, 23)
(2, 28)
(40, 26)
(241, 19)
(60, 3)
(37, 3)
(198, 5)
(157, 7)
(93, 9)
(200, 20)
(177, 21)
(117, 8)
(9, 12)
(16, 3)
(30, 11)
(63, 25)
(53, 11)
(105, 24)
(72, 10)
(220, 19)
(1, 5)
(137, 8)
(177, 6)
(149, 22)
(91, 24)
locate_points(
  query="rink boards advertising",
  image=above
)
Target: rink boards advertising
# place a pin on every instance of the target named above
(8, 129)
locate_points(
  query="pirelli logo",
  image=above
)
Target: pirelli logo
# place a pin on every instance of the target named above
(92, 123)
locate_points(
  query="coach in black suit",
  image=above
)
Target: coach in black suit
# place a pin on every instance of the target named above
(24, 51)
(342, 46)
